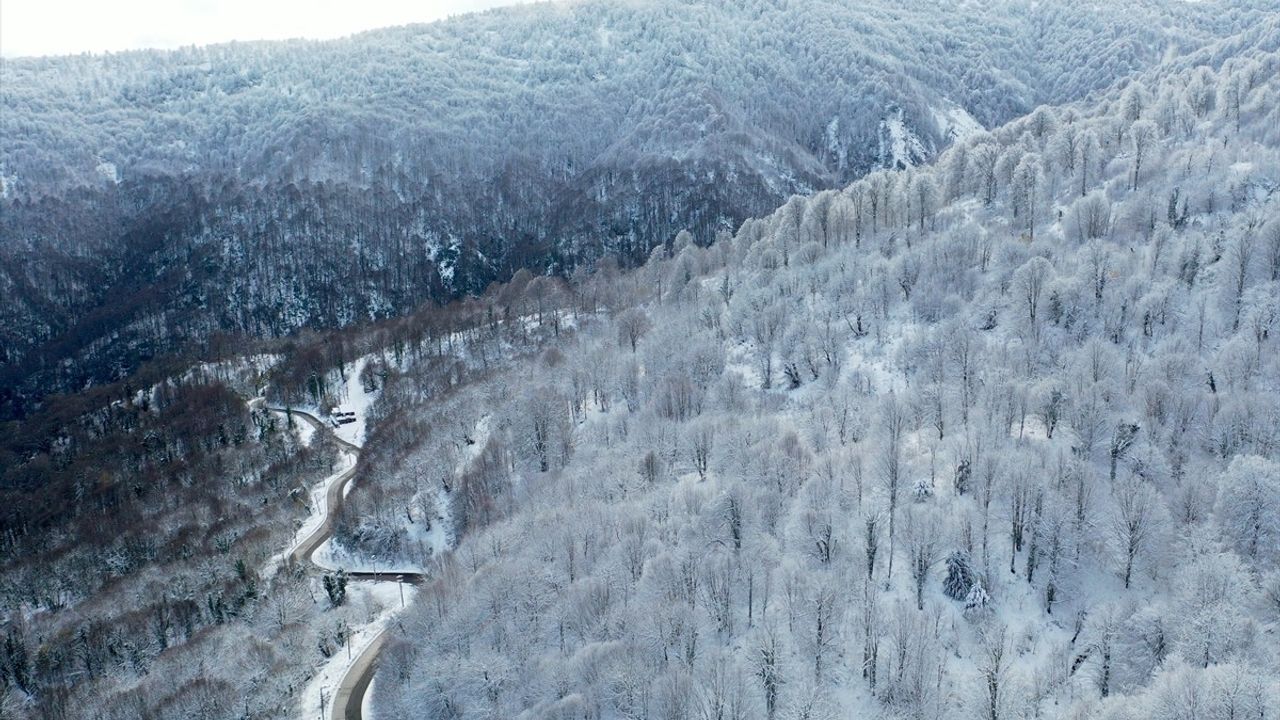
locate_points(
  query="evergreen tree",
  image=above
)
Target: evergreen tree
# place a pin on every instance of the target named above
(960, 577)
(977, 601)
(335, 586)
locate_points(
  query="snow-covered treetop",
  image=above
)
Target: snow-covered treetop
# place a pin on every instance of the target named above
(564, 86)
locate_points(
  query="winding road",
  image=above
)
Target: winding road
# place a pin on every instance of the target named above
(348, 697)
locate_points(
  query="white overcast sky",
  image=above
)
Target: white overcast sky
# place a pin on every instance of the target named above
(59, 27)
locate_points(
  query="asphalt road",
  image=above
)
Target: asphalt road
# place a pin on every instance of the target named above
(348, 698)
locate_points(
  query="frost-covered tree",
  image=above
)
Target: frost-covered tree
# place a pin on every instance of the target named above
(1025, 191)
(1142, 136)
(1029, 282)
(922, 548)
(1248, 507)
(1211, 621)
(1136, 520)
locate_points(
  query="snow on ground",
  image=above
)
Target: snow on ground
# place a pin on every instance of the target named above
(441, 533)
(366, 703)
(741, 359)
(319, 508)
(109, 172)
(333, 556)
(899, 146)
(306, 431)
(376, 603)
(955, 123)
(241, 373)
(240, 370)
(355, 400)
(352, 398)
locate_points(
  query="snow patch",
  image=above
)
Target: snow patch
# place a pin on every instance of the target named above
(109, 172)
(306, 432)
(955, 123)
(333, 556)
(900, 148)
(357, 400)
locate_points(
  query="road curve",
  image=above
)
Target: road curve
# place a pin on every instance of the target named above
(348, 698)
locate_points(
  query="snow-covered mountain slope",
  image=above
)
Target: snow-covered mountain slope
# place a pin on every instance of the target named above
(994, 435)
(997, 436)
(524, 80)
(367, 175)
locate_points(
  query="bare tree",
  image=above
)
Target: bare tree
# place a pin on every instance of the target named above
(1133, 522)
(987, 475)
(633, 323)
(767, 322)
(924, 193)
(1090, 154)
(964, 350)
(722, 690)
(701, 444)
(542, 409)
(1092, 216)
(922, 545)
(768, 662)
(871, 542)
(982, 169)
(870, 621)
(1050, 409)
(1024, 190)
(824, 612)
(1239, 256)
(993, 670)
(1020, 493)
(894, 418)
(1030, 281)
(1142, 135)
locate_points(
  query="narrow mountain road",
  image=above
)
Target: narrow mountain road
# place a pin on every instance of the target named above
(348, 698)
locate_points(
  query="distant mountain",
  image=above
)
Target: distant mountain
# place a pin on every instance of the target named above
(154, 199)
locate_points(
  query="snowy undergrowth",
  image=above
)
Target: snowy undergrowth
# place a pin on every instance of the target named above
(426, 520)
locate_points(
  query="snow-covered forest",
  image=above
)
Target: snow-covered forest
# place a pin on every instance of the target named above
(985, 429)
(992, 438)
(520, 85)
(153, 201)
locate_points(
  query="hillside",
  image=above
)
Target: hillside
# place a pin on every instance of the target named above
(154, 201)
(992, 434)
(996, 437)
